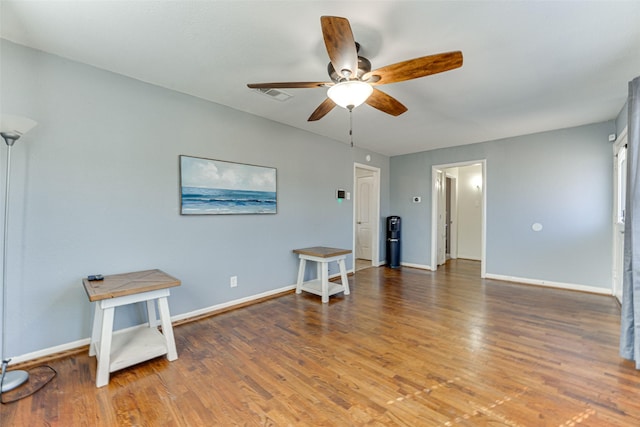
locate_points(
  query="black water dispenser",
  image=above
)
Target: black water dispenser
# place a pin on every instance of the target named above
(393, 241)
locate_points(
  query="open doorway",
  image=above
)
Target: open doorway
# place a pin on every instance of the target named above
(366, 216)
(458, 218)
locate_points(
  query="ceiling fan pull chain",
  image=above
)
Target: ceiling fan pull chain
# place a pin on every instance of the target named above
(351, 125)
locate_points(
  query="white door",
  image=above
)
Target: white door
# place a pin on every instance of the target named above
(364, 209)
(620, 188)
(442, 217)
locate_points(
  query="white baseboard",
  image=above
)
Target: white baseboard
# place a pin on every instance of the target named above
(550, 284)
(229, 304)
(470, 258)
(420, 266)
(51, 350)
(196, 313)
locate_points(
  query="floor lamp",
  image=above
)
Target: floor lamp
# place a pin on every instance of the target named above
(11, 129)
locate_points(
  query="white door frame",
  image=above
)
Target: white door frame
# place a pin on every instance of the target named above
(434, 212)
(618, 226)
(441, 188)
(375, 229)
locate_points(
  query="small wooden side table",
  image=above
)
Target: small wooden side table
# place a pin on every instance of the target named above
(322, 256)
(121, 350)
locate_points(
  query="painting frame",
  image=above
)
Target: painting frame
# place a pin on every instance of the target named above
(221, 187)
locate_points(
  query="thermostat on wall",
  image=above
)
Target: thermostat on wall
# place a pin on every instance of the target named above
(341, 194)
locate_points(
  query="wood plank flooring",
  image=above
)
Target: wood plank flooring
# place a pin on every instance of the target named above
(407, 348)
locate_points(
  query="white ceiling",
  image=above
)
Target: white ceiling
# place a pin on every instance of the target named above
(529, 66)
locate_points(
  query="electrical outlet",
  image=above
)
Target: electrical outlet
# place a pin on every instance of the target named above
(233, 281)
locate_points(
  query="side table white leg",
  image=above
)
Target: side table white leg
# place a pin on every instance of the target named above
(97, 329)
(324, 266)
(303, 263)
(102, 373)
(151, 313)
(343, 276)
(167, 329)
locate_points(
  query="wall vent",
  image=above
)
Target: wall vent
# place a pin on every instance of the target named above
(274, 93)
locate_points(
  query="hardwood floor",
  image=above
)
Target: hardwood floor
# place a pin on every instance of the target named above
(361, 264)
(407, 348)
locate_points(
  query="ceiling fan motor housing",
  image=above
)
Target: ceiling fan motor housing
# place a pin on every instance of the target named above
(364, 66)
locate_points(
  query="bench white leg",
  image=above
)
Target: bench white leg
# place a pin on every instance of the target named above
(97, 329)
(343, 276)
(324, 277)
(151, 313)
(167, 329)
(102, 374)
(303, 263)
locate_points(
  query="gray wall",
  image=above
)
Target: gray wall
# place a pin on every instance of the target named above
(95, 190)
(562, 179)
(623, 118)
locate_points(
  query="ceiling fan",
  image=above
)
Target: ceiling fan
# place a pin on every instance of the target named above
(352, 80)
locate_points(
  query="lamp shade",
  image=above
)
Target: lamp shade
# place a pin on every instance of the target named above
(16, 124)
(350, 94)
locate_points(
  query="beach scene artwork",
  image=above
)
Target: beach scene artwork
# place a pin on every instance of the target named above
(210, 187)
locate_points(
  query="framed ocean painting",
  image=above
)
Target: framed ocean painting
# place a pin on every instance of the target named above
(217, 187)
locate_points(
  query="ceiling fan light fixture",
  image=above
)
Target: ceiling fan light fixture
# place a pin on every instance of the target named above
(350, 94)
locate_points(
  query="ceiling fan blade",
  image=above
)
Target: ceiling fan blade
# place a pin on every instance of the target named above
(385, 103)
(414, 68)
(341, 46)
(322, 110)
(289, 85)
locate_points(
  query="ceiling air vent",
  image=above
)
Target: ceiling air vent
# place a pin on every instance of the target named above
(274, 93)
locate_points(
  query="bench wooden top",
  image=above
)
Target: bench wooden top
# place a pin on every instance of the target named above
(119, 285)
(322, 251)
